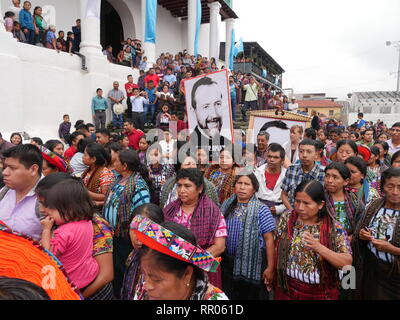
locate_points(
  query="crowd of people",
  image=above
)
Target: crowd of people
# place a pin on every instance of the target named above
(278, 222)
(31, 27)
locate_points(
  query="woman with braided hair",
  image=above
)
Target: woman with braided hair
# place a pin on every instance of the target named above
(377, 243)
(132, 189)
(311, 247)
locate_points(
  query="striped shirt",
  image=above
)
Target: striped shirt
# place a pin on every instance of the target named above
(235, 224)
(382, 227)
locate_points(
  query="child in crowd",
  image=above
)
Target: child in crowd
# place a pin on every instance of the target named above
(69, 206)
(163, 117)
(64, 128)
(143, 146)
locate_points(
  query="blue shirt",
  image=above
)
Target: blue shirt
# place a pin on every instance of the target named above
(151, 95)
(232, 90)
(235, 225)
(170, 78)
(99, 104)
(50, 36)
(361, 123)
(26, 19)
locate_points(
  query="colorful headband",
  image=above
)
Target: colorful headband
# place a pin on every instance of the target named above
(158, 238)
(54, 159)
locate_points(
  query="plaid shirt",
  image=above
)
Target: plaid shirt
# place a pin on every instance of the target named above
(295, 175)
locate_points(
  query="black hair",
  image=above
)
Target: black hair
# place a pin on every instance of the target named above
(254, 181)
(341, 168)
(274, 124)
(397, 125)
(276, 147)
(131, 159)
(71, 199)
(103, 158)
(51, 144)
(358, 163)
(334, 130)
(73, 136)
(59, 32)
(78, 123)
(37, 140)
(17, 134)
(27, 154)
(82, 144)
(356, 134)
(90, 125)
(82, 126)
(308, 142)
(383, 133)
(20, 289)
(69, 33)
(193, 174)
(319, 147)
(9, 14)
(350, 143)
(389, 173)
(394, 157)
(310, 133)
(368, 129)
(361, 114)
(49, 181)
(113, 146)
(206, 81)
(170, 264)
(98, 89)
(150, 210)
(376, 152)
(104, 132)
(315, 191)
(384, 145)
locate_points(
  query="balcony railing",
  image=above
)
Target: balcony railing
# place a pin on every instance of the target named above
(250, 67)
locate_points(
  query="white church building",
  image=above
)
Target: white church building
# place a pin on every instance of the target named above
(38, 86)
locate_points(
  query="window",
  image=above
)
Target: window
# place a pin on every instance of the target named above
(331, 112)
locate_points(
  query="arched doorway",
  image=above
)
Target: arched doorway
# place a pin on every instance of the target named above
(112, 31)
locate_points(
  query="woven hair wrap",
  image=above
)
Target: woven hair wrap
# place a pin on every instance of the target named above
(165, 241)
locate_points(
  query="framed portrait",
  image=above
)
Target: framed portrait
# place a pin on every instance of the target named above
(276, 124)
(208, 107)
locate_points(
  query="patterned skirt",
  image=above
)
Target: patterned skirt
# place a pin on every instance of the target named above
(106, 293)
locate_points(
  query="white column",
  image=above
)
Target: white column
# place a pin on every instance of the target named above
(215, 19)
(149, 48)
(229, 24)
(90, 27)
(192, 19)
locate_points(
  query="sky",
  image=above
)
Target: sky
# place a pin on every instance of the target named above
(330, 46)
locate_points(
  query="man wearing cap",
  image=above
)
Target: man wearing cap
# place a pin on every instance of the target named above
(293, 106)
(116, 96)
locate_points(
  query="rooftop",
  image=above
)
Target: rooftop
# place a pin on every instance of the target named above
(179, 9)
(318, 104)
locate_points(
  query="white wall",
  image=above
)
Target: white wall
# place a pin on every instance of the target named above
(169, 33)
(388, 119)
(42, 85)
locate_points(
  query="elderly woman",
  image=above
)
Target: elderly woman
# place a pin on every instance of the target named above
(171, 272)
(132, 189)
(377, 243)
(169, 191)
(222, 175)
(311, 247)
(51, 39)
(132, 274)
(101, 287)
(248, 265)
(197, 212)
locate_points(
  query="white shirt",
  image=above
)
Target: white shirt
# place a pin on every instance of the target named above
(271, 195)
(167, 148)
(137, 103)
(16, 11)
(293, 106)
(392, 148)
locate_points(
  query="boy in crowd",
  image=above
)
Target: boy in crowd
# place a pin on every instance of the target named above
(64, 128)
